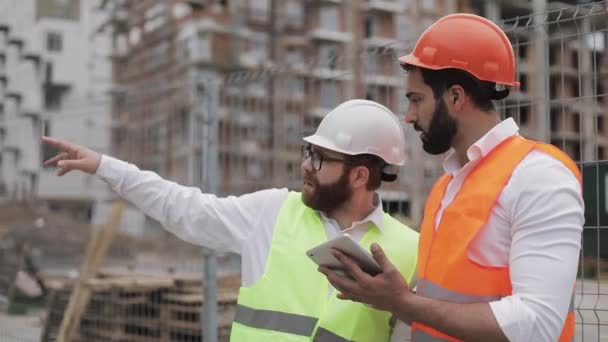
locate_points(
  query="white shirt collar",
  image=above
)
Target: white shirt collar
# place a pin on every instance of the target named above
(376, 217)
(483, 146)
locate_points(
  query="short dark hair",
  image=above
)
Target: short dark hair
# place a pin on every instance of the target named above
(373, 163)
(481, 92)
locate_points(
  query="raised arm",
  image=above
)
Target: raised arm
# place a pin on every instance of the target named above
(204, 219)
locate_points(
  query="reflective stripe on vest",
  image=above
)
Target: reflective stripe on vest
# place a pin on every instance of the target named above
(430, 289)
(275, 320)
(427, 288)
(324, 335)
(284, 322)
(419, 335)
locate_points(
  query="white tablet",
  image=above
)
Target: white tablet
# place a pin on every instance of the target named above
(322, 256)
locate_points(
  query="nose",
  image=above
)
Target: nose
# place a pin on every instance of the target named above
(306, 166)
(409, 116)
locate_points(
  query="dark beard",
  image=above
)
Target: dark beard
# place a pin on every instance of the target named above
(442, 129)
(327, 198)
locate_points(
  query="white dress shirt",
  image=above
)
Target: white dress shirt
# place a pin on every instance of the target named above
(242, 225)
(535, 229)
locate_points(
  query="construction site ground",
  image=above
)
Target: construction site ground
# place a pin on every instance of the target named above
(21, 328)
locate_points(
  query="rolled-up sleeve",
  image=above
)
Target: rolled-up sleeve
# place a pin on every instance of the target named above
(547, 216)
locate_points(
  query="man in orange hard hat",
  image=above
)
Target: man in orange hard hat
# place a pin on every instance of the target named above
(501, 233)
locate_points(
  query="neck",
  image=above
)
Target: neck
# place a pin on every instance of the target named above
(470, 130)
(356, 209)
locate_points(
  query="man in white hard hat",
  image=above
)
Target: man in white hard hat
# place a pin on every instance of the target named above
(283, 297)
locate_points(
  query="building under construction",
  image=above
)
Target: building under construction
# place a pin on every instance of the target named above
(219, 93)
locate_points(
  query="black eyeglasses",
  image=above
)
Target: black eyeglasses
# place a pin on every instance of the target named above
(317, 159)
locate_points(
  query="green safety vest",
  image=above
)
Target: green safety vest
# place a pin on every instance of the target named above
(291, 301)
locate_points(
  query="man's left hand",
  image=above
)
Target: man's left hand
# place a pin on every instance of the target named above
(384, 291)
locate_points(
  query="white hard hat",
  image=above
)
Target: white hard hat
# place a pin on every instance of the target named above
(362, 127)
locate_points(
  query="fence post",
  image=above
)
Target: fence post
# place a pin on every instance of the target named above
(206, 127)
(541, 44)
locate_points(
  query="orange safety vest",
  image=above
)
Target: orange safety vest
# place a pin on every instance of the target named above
(444, 271)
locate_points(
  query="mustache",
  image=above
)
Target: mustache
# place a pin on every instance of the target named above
(417, 128)
(309, 177)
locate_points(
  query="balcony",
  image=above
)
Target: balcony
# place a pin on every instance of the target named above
(258, 91)
(16, 40)
(336, 2)
(33, 113)
(331, 35)
(11, 141)
(383, 80)
(250, 146)
(11, 148)
(319, 112)
(14, 96)
(393, 195)
(300, 69)
(332, 74)
(3, 39)
(250, 60)
(294, 40)
(34, 57)
(120, 19)
(207, 25)
(381, 42)
(384, 6)
(564, 70)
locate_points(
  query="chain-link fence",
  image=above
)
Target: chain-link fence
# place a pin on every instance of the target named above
(562, 67)
(247, 127)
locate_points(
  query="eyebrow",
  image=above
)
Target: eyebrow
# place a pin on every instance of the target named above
(324, 153)
(409, 94)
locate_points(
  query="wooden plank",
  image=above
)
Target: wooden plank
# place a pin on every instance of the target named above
(96, 251)
(194, 298)
(130, 283)
(199, 298)
(110, 334)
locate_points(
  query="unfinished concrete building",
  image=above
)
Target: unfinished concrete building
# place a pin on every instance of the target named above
(219, 93)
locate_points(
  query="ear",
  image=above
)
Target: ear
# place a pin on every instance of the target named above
(456, 98)
(359, 176)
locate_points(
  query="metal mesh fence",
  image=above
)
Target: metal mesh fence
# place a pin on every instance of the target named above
(562, 64)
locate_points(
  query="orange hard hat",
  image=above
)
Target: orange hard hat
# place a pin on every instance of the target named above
(467, 42)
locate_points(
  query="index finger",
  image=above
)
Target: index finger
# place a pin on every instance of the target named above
(59, 144)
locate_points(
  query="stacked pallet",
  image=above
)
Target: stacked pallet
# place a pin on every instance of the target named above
(144, 309)
(183, 306)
